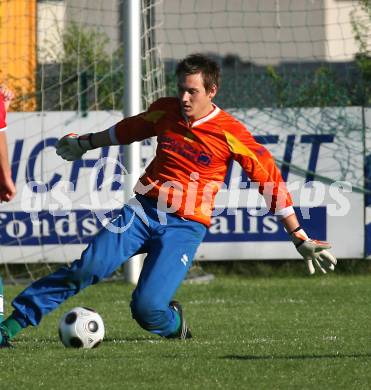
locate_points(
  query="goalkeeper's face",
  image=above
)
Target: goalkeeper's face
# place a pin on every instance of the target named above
(195, 100)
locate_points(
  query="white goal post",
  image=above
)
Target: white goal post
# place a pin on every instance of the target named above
(131, 11)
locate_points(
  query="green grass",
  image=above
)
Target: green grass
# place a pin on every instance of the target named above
(250, 333)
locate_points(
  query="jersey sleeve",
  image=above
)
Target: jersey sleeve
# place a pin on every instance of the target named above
(138, 127)
(2, 114)
(261, 168)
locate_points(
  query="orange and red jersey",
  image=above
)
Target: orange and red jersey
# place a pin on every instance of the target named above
(192, 159)
(2, 114)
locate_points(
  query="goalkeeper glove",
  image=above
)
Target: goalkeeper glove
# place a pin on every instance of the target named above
(314, 252)
(71, 147)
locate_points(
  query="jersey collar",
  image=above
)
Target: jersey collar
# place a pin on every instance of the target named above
(215, 111)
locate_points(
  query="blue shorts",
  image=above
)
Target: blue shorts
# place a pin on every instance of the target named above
(170, 243)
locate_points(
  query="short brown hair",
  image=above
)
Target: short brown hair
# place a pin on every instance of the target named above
(199, 63)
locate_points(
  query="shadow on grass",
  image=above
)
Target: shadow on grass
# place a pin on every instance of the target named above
(297, 357)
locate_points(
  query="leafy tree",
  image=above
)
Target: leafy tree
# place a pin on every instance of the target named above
(87, 76)
(361, 29)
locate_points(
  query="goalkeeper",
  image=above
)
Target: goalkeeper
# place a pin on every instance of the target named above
(172, 208)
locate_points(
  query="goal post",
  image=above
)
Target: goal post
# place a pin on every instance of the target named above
(131, 37)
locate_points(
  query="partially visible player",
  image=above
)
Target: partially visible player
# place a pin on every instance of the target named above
(174, 200)
(7, 187)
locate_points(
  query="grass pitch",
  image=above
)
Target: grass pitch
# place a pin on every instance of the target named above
(250, 333)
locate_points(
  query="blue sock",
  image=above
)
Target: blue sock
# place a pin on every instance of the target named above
(178, 324)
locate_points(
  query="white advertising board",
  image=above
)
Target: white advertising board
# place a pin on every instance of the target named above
(56, 224)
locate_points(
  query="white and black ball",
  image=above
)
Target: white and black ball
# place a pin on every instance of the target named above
(81, 327)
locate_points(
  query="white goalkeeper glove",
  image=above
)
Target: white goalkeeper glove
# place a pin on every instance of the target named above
(71, 147)
(314, 252)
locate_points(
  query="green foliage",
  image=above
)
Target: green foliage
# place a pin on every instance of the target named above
(95, 75)
(321, 90)
(82, 46)
(250, 333)
(88, 76)
(361, 29)
(280, 86)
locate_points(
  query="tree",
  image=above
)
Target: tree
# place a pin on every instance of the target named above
(86, 76)
(361, 29)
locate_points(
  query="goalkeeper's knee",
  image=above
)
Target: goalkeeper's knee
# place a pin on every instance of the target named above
(149, 314)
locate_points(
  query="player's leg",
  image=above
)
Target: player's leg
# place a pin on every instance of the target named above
(170, 256)
(4, 338)
(107, 251)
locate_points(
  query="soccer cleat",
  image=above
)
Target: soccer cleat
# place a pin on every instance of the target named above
(184, 332)
(4, 339)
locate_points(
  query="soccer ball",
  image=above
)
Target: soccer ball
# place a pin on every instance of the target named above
(81, 327)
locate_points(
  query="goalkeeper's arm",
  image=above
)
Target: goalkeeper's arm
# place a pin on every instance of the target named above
(314, 252)
(136, 128)
(71, 147)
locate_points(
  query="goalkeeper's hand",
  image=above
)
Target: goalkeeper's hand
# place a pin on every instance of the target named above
(71, 147)
(314, 252)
